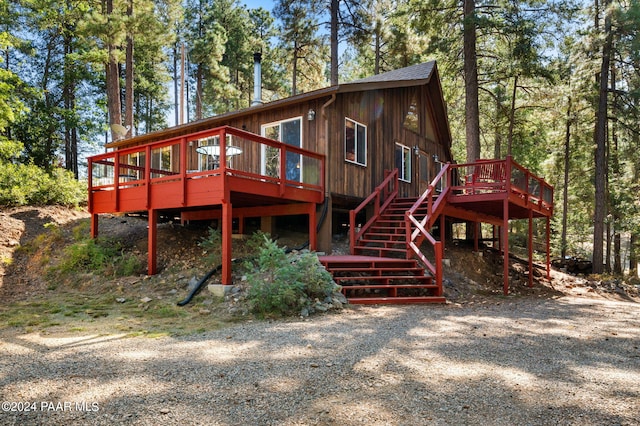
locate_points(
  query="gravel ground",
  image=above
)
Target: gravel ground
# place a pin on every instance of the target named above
(506, 361)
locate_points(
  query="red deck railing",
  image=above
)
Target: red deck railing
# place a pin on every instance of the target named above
(503, 176)
(418, 230)
(381, 197)
(223, 151)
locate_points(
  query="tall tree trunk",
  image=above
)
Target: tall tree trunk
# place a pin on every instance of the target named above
(199, 89)
(565, 189)
(472, 114)
(335, 4)
(294, 78)
(634, 240)
(615, 169)
(512, 115)
(128, 88)
(497, 143)
(114, 107)
(176, 102)
(600, 154)
(377, 35)
(68, 94)
(183, 80)
(472, 111)
(607, 251)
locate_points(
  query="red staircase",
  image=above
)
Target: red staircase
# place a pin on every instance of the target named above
(380, 268)
(388, 261)
(368, 279)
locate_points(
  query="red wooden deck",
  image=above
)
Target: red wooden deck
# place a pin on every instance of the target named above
(490, 191)
(493, 189)
(219, 173)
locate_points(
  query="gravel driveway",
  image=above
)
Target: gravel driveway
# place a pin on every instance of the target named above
(507, 361)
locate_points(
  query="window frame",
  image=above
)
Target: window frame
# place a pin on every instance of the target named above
(263, 149)
(357, 144)
(404, 173)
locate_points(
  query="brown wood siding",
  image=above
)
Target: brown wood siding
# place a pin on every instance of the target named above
(383, 112)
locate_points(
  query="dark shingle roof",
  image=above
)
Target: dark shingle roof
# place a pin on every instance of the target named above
(415, 74)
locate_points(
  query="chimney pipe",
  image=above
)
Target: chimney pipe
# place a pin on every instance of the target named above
(257, 79)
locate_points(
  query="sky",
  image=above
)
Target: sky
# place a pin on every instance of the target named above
(254, 4)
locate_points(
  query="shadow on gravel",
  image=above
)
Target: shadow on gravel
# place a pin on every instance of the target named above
(520, 361)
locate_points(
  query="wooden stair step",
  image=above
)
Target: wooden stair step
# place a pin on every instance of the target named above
(387, 286)
(385, 242)
(386, 235)
(385, 279)
(381, 249)
(378, 270)
(375, 300)
(373, 264)
(398, 231)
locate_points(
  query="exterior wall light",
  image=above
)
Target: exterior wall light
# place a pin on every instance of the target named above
(311, 115)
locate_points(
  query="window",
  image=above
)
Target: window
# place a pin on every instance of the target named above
(289, 132)
(439, 165)
(355, 142)
(424, 167)
(136, 162)
(160, 162)
(403, 162)
(412, 119)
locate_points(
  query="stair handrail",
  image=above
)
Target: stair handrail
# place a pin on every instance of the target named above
(417, 236)
(388, 196)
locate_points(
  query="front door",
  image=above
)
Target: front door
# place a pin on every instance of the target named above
(423, 172)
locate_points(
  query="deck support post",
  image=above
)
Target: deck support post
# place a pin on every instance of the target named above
(443, 234)
(324, 236)
(493, 237)
(505, 245)
(548, 247)
(530, 248)
(313, 234)
(267, 224)
(152, 235)
(227, 229)
(94, 225)
(475, 237)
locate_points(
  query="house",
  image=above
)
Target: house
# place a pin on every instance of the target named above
(316, 154)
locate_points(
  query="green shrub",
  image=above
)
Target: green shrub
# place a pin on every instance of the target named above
(212, 246)
(27, 184)
(98, 255)
(282, 284)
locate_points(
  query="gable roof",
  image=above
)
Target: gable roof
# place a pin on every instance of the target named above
(414, 75)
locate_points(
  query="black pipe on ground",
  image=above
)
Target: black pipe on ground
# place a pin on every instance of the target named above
(209, 274)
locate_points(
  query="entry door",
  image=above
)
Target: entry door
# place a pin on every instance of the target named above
(423, 172)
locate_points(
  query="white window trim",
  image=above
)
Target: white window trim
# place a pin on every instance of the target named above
(355, 161)
(263, 127)
(401, 173)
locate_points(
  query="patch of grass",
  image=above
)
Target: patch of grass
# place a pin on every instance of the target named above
(167, 311)
(100, 255)
(211, 244)
(81, 230)
(70, 311)
(43, 242)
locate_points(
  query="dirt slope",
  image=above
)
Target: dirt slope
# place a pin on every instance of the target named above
(25, 254)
